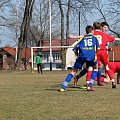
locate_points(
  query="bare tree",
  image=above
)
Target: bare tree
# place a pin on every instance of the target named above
(24, 28)
(3, 2)
(73, 6)
(3, 17)
(105, 15)
(68, 20)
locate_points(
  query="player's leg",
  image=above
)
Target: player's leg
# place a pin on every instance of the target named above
(99, 69)
(67, 80)
(82, 73)
(88, 76)
(41, 68)
(118, 78)
(104, 59)
(106, 79)
(77, 65)
(111, 75)
(93, 76)
(99, 76)
(38, 69)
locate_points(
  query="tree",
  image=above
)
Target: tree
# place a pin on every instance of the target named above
(107, 13)
(73, 7)
(24, 28)
(3, 16)
(67, 20)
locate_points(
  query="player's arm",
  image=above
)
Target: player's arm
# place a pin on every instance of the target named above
(109, 49)
(97, 45)
(111, 38)
(75, 49)
(77, 37)
(117, 38)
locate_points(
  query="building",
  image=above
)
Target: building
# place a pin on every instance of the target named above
(8, 56)
(114, 55)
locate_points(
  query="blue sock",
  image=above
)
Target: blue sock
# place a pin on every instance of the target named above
(67, 80)
(93, 77)
(82, 73)
(99, 74)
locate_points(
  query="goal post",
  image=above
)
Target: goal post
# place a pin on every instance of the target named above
(42, 47)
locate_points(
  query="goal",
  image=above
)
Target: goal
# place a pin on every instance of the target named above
(52, 57)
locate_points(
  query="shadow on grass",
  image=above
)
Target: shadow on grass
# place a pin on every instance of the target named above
(56, 87)
(69, 86)
(51, 89)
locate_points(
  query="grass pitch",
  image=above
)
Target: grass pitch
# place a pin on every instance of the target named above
(26, 96)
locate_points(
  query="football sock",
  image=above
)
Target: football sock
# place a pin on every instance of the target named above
(88, 76)
(99, 74)
(82, 73)
(110, 73)
(93, 77)
(67, 80)
(113, 81)
(87, 82)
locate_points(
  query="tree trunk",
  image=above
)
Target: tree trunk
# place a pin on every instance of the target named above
(63, 53)
(24, 29)
(67, 21)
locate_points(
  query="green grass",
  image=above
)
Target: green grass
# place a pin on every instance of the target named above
(26, 96)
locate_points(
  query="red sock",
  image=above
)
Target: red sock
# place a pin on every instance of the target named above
(89, 73)
(110, 73)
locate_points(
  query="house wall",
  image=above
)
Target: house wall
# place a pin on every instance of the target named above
(56, 61)
(5, 62)
(114, 55)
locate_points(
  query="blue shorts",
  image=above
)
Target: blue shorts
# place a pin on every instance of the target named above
(79, 63)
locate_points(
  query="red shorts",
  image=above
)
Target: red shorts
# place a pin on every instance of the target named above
(102, 56)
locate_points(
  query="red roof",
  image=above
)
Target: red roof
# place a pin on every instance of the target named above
(55, 43)
(26, 52)
(10, 50)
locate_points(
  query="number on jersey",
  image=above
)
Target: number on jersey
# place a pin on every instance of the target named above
(99, 39)
(88, 42)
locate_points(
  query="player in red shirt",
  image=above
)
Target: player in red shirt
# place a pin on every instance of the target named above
(115, 68)
(102, 55)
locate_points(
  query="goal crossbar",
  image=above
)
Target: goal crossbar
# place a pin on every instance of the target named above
(53, 47)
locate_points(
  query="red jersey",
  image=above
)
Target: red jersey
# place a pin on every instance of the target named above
(114, 66)
(110, 38)
(103, 38)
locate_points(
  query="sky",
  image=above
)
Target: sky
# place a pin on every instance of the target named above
(6, 36)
